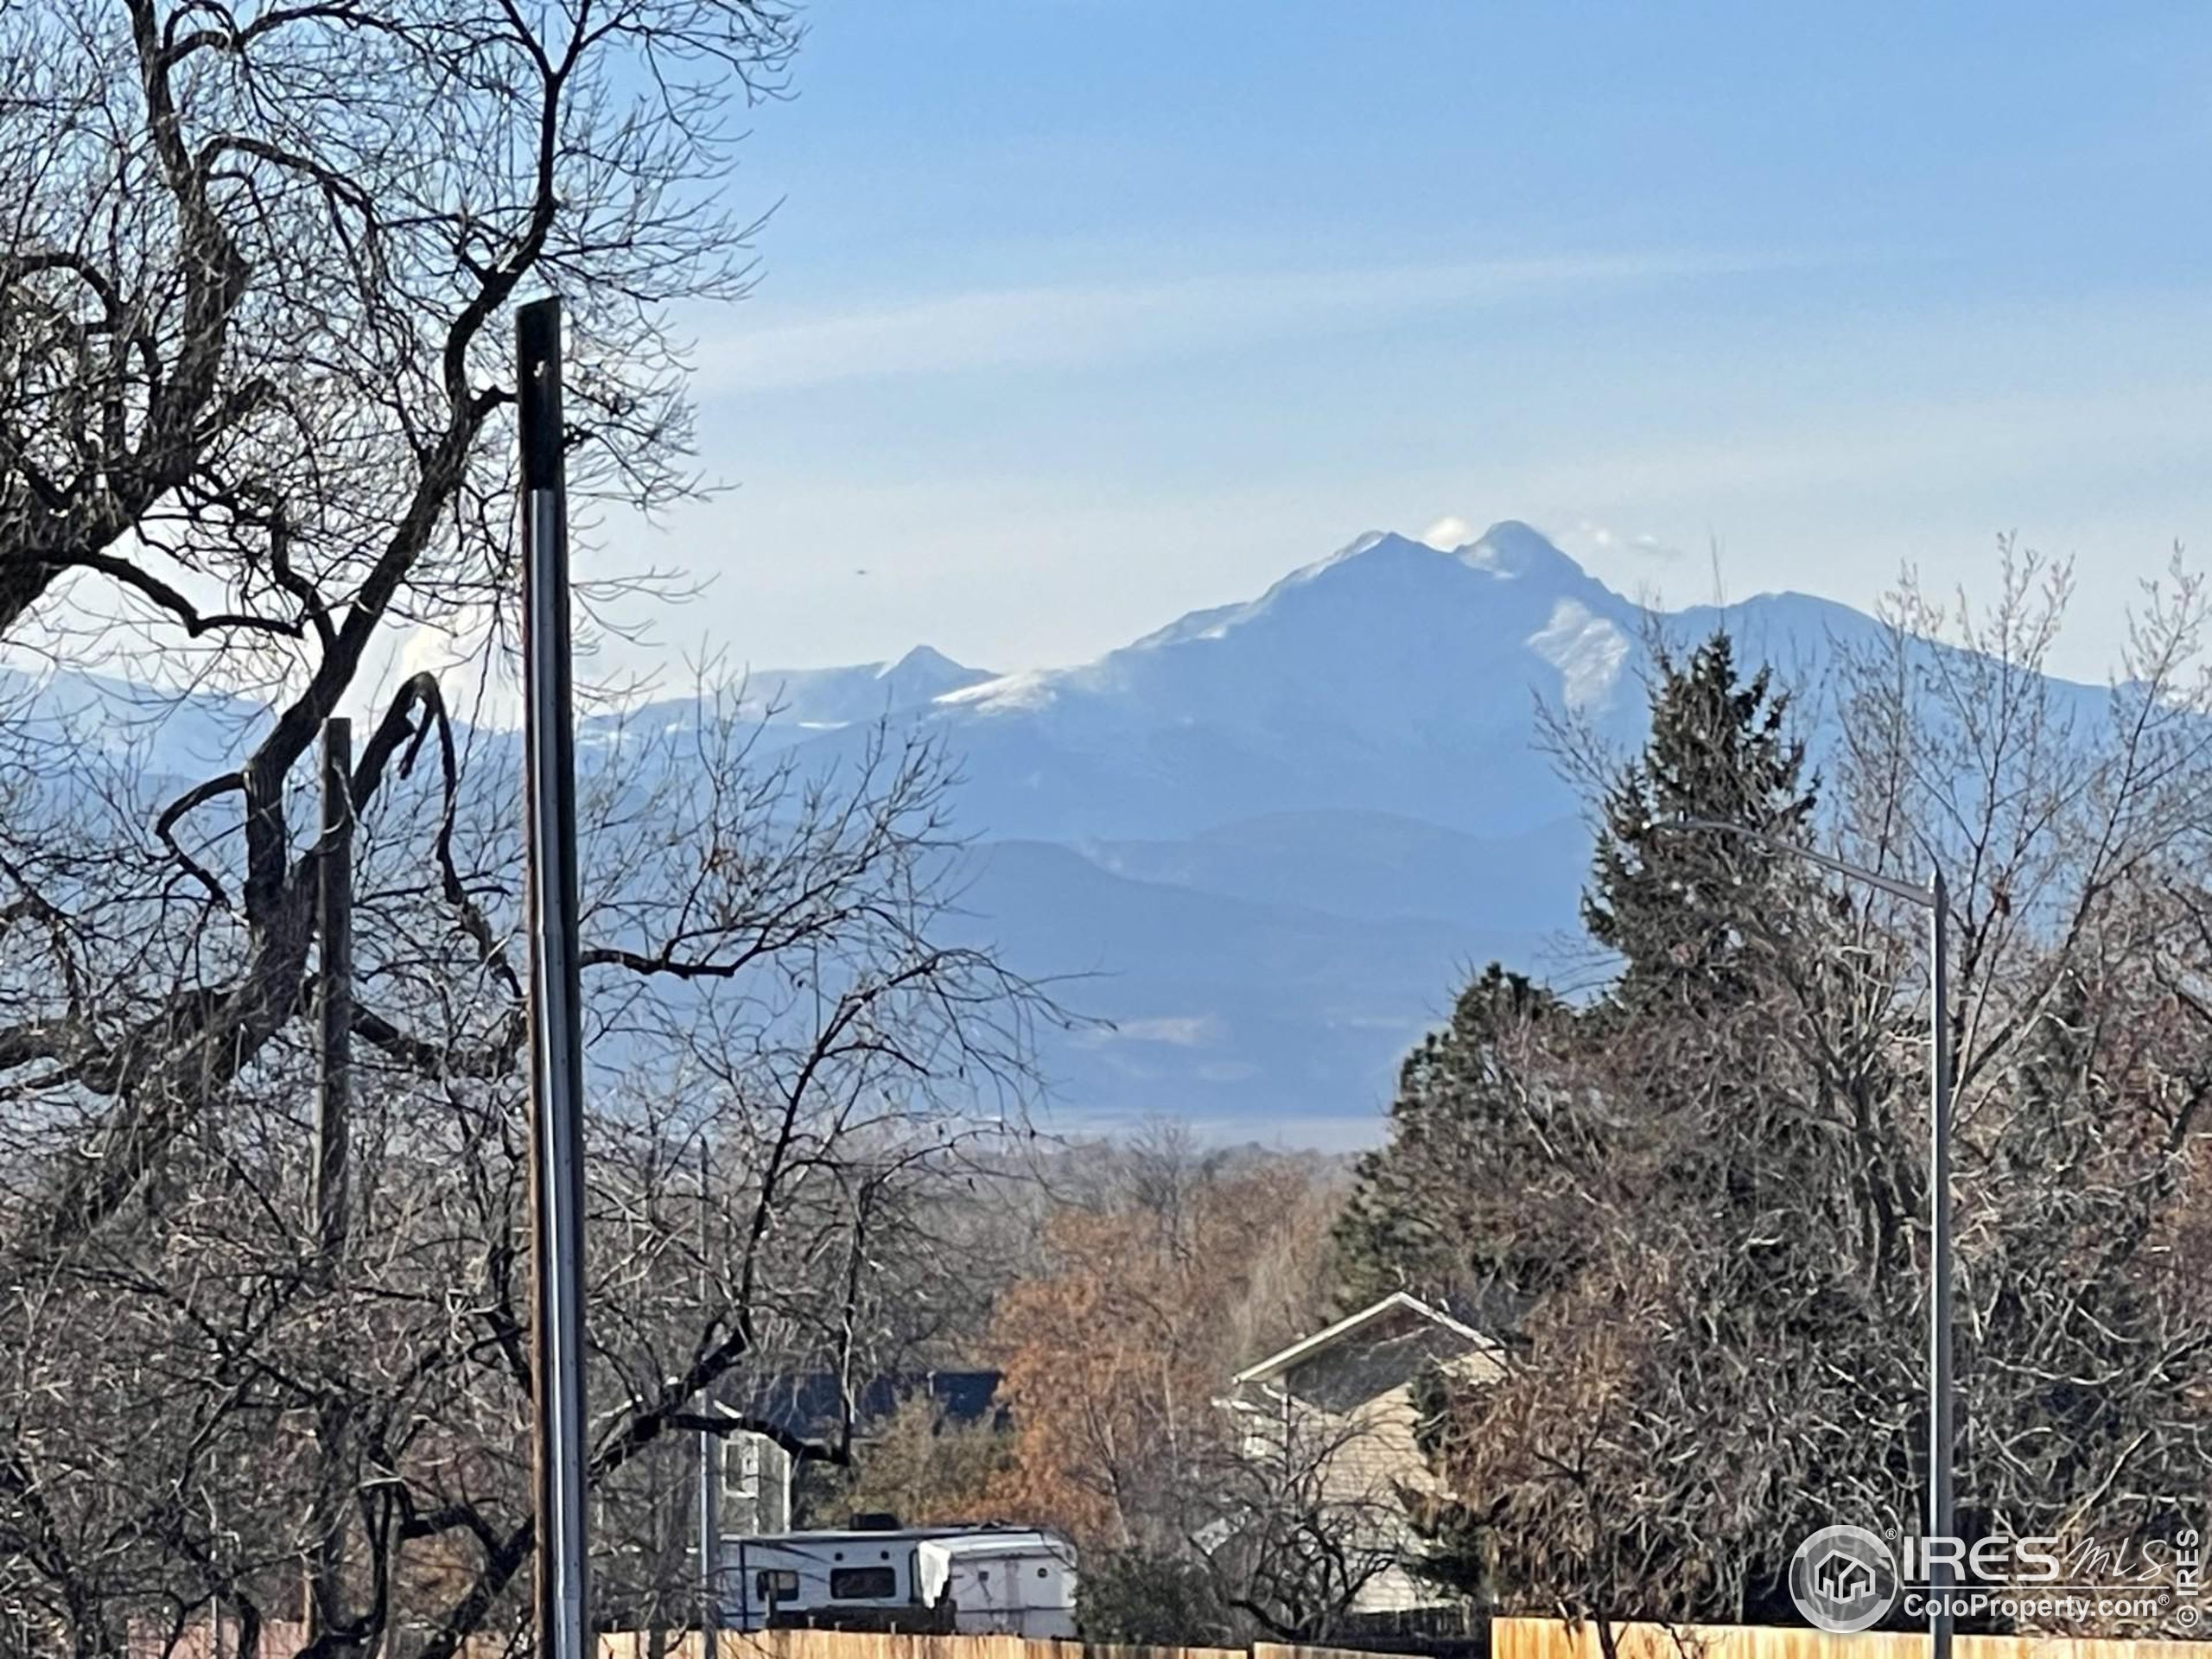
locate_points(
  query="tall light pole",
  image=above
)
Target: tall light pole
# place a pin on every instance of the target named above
(1935, 899)
(557, 1063)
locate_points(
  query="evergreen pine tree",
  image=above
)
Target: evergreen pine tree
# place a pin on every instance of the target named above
(1411, 1223)
(1672, 903)
(1544, 1157)
(1481, 1106)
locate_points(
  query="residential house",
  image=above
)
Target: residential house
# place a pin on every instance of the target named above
(1329, 1424)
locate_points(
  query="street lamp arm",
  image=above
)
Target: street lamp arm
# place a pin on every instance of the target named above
(1924, 897)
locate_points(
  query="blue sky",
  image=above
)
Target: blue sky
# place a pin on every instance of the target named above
(1075, 315)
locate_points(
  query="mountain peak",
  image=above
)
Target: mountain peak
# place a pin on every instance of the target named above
(1376, 552)
(925, 662)
(1373, 549)
(1510, 549)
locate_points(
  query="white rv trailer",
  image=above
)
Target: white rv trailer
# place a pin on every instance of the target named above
(1013, 1581)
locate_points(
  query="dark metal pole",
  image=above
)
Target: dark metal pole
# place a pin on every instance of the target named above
(335, 1000)
(1940, 1402)
(711, 1616)
(556, 1002)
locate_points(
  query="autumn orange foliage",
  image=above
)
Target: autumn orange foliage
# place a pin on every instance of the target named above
(1114, 1350)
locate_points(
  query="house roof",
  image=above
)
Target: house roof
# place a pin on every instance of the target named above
(812, 1405)
(1397, 1302)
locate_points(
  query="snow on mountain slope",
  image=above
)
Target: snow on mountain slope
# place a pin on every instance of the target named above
(792, 704)
(1389, 676)
(1334, 641)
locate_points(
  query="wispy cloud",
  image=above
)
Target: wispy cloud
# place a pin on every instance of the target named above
(1052, 326)
(1586, 535)
(1993, 444)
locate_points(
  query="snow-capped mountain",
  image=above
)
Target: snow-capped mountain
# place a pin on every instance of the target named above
(1389, 678)
(1275, 834)
(1266, 841)
(792, 704)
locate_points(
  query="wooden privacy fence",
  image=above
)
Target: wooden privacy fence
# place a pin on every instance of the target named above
(868, 1644)
(280, 1638)
(1510, 1638)
(1547, 1638)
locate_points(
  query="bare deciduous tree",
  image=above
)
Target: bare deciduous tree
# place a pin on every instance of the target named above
(171, 1364)
(255, 394)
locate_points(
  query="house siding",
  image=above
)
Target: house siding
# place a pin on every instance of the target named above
(1353, 1405)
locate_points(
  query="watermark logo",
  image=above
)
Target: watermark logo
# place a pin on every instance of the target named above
(1843, 1579)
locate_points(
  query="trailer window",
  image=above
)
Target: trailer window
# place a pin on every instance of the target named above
(864, 1584)
(774, 1586)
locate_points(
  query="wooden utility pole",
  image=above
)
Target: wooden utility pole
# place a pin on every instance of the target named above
(711, 1616)
(333, 1106)
(334, 996)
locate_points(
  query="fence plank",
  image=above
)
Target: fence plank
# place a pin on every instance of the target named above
(1510, 1638)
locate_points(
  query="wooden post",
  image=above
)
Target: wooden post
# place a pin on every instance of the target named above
(711, 1616)
(333, 1106)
